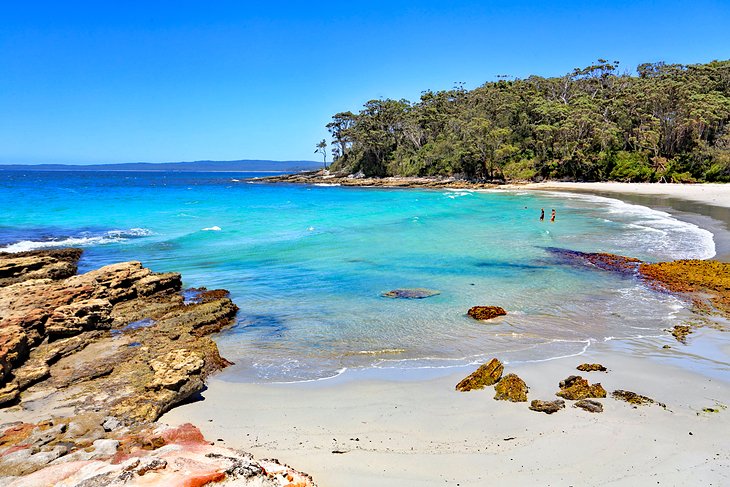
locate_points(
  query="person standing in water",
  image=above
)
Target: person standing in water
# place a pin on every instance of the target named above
(552, 216)
(542, 214)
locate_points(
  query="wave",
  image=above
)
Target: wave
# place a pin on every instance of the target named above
(650, 230)
(215, 228)
(83, 239)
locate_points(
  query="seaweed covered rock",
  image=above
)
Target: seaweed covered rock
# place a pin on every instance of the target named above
(592, 368)
(548, 407)
(485, 312)
(634, 398)
(511, 388)
(600, 260)
(576, 387)
(589, 405)
(680, 332)
(693, 276)
(486, 375)
(414, 293)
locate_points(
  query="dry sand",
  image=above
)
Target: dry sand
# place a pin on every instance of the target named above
(391, 428)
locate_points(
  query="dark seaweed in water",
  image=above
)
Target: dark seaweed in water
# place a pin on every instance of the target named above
(604, 261)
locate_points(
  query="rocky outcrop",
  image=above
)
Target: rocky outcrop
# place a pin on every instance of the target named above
(412, 293)
(576, 387)
(82, 451)
(359, 179)
(48, 264)
(485, 312)
(548, 407)
(486, 375)
(511, 388)
(680, 332)
(589, 405)
(592, 368)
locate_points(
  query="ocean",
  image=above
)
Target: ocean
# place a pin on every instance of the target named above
(307, 265)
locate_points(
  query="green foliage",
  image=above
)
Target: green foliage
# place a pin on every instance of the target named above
(631, 167)
(671, 122)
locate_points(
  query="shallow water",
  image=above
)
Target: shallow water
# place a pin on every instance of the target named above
(307, 264)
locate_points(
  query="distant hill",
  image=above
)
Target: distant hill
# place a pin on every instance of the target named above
(222, 166)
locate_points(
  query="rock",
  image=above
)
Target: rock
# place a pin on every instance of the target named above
(576, 387)
(9, 393)
(111, 423)
(45, 264)
(105, 447)
(511, 388)
(634, 398)
(680, 332)
(486, 312)
(591, 368)
(79, 316)
(486, 375)
(548, 407)
(415, 293)
(174, 368)
(589, 405)
(30, 373)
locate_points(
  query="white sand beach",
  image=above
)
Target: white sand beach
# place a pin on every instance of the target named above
(387, 428)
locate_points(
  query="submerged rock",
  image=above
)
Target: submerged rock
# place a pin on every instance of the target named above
(486, 375)
(592, 368)
(511, 388)
(634, 398)
(548, 407)
(589, 405)
(576, 387)
(485, 312)
(601, 260)
(414, 293)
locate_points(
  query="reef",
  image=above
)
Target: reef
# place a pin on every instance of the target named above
(485, 312)
(486, 375)
(576, 387)
(414, 293)
(87, 359)
(592, 368)
(511, 388)
(600, 260)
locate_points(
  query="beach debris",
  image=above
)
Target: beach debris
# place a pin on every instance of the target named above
(666, 347)
(576, 387)
(634, 398)
(589, 405)
(485, 312)
(486, 375)
(511, 388)
(411, 293)
(548, 407)
(680, 332)
(592, 368)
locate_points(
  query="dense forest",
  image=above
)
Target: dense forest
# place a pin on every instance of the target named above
(667, 122)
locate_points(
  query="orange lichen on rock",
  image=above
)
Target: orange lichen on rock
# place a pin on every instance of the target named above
(486, 375)
(693, 276)
(511, 388)
(576, 387)
(486, 312)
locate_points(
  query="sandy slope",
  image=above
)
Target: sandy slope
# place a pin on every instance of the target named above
(711, 194)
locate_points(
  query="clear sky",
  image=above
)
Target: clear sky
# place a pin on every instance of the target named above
(127, 81)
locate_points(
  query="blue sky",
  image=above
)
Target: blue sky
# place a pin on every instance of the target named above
(126, 81)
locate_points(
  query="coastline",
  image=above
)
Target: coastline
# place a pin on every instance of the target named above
(380, 429)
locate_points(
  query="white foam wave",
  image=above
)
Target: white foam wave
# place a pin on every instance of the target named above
(650, 230)
(83, 240)
(327, 184)
(215, 228)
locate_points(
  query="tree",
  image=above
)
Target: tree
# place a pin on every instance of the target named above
(322, 149)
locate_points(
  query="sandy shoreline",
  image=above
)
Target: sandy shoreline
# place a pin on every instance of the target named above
(407, 429)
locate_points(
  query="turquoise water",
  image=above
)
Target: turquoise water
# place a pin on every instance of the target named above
(307, 264)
